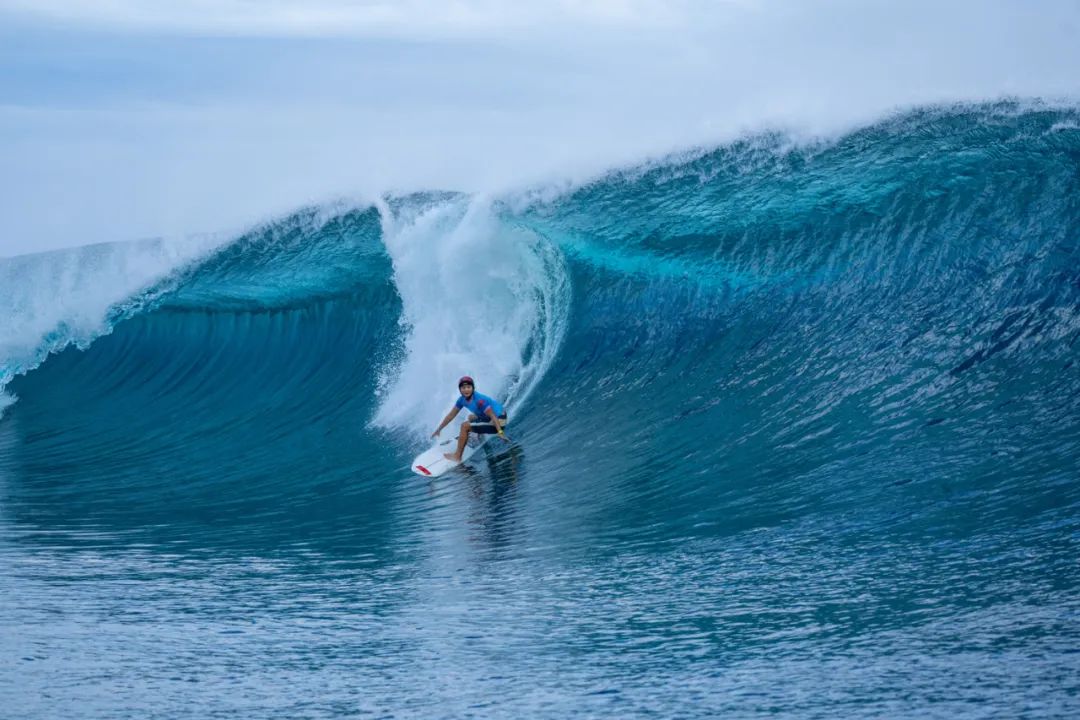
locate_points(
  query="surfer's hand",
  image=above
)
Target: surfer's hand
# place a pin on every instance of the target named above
(435, 434)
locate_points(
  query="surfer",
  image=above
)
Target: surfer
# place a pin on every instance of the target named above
(488, 411)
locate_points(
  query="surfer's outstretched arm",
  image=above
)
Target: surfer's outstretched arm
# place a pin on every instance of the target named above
(446, 420)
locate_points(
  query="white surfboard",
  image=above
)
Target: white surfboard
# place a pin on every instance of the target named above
(432, 463)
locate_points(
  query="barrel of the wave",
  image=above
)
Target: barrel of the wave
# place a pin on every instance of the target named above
(487, 417)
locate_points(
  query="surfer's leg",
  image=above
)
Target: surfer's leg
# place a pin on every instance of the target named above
(462, 439)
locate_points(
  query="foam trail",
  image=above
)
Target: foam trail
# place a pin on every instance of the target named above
(479, 298)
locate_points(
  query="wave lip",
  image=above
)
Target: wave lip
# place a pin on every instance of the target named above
(51, 300)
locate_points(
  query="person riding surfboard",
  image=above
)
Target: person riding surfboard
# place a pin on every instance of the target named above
(487, 416)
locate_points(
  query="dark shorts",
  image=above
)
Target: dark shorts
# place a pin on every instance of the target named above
(486, 427)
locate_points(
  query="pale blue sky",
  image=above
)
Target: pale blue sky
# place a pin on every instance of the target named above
(171, 118)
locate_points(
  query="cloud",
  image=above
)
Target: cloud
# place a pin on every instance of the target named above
(355, 18)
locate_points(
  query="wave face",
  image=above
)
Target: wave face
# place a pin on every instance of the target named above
(830, 329)
(810, 406)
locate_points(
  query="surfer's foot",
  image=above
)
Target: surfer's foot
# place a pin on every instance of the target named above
(452, 457)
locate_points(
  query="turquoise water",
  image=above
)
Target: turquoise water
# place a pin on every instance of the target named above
(796, 433)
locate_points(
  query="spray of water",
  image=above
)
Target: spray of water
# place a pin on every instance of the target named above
(479, 297)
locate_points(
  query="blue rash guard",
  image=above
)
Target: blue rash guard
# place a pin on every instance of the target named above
(479, 405)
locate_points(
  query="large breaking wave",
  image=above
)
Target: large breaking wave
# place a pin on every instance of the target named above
(764, 330)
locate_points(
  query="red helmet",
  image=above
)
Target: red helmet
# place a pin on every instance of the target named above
(465, 379)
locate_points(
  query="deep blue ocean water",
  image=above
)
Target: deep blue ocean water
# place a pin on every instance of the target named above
(796, 434)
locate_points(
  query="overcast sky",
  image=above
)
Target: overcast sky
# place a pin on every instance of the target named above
(133, 119)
